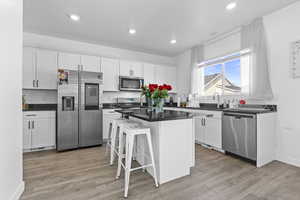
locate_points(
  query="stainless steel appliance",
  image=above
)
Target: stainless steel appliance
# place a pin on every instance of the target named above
(79, 114)
(239, 134)
(127, 83)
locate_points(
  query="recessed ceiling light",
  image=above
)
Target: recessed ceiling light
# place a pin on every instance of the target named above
(173, 41)
(74, 17)
(231, 6)
(132, 31)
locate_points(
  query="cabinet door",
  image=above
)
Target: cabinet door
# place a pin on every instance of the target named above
(199, 130)
(68, 61)
(42, 133)
(213, 132)
(91, 63)
(128, 68)
(46, 69)
(110, 69)
(149, 74)
(29, 68)
(26, 134)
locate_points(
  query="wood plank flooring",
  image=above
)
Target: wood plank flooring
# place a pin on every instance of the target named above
(86, 175)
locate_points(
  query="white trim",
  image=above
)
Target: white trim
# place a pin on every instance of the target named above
(225, 58)
(19, 191)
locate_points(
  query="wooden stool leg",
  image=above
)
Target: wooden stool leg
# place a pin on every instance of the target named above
(128, 159)
(120, 152)
(152, 158)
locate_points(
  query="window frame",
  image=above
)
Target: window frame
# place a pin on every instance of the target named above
(223, 60)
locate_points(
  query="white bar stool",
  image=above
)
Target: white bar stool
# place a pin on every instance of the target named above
(115, 126)
(130, 133)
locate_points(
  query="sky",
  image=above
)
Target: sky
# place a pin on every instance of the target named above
(232, 71)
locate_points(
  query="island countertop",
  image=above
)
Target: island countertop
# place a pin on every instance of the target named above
(150, 116)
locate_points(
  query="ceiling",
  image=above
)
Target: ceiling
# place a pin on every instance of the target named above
(106, 22)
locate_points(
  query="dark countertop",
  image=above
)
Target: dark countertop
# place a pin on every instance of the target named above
(151, 116)
(41, 107)
(251, 109)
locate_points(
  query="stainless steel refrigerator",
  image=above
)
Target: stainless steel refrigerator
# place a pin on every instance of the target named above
(79, 109)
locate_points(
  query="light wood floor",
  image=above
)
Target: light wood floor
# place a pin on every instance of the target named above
(85, 175)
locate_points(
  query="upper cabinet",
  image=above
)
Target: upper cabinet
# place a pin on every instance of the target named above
(46, 62)
(29, 67)
(69, 61)
(110, 69)
(91, 63)
(129, 68)
(149, 74)
(74, 61)
(39, 68)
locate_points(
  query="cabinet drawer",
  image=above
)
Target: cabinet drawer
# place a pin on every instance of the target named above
(39, 114)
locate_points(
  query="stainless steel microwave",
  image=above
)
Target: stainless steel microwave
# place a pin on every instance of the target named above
(127, 83)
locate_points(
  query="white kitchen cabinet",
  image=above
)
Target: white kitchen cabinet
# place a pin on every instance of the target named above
(69, 61)
(110, 69)
(39, 68)
(149, 74)
(129, 68)
(39, 130)
(91, 63)
(46, 62)
(29, 67)
(213, 132)
(26, 134)
(199, 129)
(43, 133)
(108, 115)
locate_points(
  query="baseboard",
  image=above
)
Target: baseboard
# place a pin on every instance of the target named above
(19, 191)
(288, 159)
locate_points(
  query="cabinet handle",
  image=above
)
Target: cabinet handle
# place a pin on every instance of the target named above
(204, 120)
(33, 83)
(37, 83)
(28, 124)
(31, 115)
(32, 124)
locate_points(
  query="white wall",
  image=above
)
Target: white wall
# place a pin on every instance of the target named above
(11, 172)
(183, 62)
(60, 44)
(282, 28)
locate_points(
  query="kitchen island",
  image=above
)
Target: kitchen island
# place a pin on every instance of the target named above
(173, 141)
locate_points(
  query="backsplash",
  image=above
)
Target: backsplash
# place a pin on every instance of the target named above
(50, 96)
(111, 97)
(40, 96)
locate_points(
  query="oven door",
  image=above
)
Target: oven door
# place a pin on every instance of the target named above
(131, 84)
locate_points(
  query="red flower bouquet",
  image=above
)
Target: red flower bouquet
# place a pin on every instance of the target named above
(156, 94)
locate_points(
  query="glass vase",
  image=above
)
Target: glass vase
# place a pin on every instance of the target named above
(158, 105)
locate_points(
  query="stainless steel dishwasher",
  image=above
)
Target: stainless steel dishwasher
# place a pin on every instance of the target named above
(239, 134)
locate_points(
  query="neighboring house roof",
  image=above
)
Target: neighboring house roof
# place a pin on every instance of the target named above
(213, 79)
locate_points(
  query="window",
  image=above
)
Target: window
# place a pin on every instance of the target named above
(228, 75)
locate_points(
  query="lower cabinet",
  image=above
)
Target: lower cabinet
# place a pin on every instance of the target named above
(39, 130)
(108, 114)
(208, 130)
